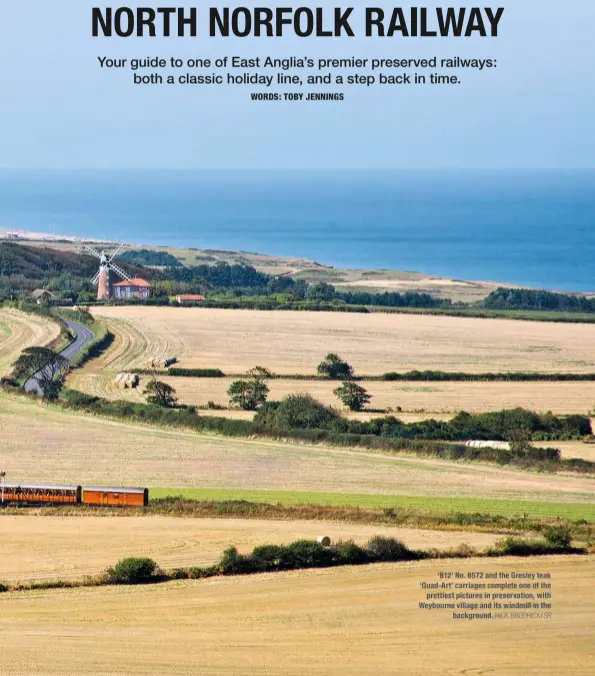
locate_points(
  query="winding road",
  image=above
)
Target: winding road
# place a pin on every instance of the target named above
(83, 337)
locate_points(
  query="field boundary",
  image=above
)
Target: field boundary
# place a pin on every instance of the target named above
(299, 555)
(533, 458)
(390, 376)
(552, 316)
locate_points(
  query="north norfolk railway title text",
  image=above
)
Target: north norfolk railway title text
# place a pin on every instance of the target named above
(301, 21)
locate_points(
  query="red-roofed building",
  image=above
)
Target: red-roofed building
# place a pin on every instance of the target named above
(135, 288)
(189, 298)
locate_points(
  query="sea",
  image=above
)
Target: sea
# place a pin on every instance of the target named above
(531, 228)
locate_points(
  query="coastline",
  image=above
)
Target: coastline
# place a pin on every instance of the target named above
(348, 279)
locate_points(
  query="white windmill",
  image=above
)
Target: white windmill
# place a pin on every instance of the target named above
(106, 266)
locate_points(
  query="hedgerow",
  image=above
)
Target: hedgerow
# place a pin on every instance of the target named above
(303, 554)
(196, 373)
(457, 376)
(298, 555)
(103, 339)
(387, 434)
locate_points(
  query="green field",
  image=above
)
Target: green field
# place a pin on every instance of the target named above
(567, 510)
(4, 331)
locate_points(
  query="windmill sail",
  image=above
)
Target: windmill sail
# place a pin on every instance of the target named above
(103, 278)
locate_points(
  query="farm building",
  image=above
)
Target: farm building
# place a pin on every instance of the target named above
(189, 298)
(133, 288)
(41, 296)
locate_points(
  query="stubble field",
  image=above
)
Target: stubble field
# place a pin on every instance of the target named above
(49, 547)
(19, 330)
(418, 400)
(45, 444)
(295, 342)
(353, 621)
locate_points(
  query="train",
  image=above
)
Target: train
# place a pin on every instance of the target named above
(46, 494)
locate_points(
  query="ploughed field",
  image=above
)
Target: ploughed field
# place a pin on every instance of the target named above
(41, 443)
(354, 621)
(19, 330)
(295, 342)
(65, 548)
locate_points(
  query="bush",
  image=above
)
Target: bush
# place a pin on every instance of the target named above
(179, 574)
(577, 465)
(3, 588)
(558, 536)
(197, 573)
(298, 411)
(349, 553)
(514, 546)
(267, 557)
(388, 549)
(132, 571)
(80, 400)
(305, 554)
(234, 563)
(7, 381)
(463, 551)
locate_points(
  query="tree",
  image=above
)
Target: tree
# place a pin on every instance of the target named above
(161, 394)
(83, 315)
(248, 394)
(335, 368)
(299, 289)
(45, 365)
(320, 291)
(519, 437)
(388, 549)
(280, 284)
(260, 373)
(354, 396)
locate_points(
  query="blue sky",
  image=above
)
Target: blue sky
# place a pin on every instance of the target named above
(60, 110)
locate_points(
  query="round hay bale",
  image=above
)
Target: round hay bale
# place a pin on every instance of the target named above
(324, 540)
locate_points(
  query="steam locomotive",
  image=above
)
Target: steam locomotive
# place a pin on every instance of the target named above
(42, 494)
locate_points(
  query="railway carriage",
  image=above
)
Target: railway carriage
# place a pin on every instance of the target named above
(41, 494)
(47, 494)
(113, 497)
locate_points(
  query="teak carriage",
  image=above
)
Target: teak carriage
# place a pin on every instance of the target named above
(102, 495)
(46, 494)
(41, 494)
